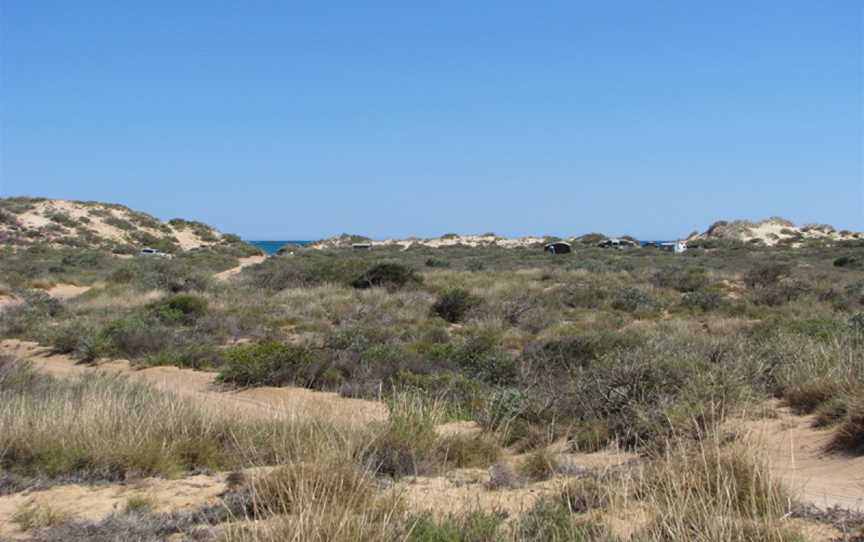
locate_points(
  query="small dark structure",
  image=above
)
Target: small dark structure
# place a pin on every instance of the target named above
(362, 246)
(558, 247)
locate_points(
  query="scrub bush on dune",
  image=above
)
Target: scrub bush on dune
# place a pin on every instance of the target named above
(387, 275)
(849, 437)
(454, 304)
(267, 364)
(180, 308)
(682, 280)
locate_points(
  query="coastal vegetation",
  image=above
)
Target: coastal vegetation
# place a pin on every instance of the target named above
(506, 364)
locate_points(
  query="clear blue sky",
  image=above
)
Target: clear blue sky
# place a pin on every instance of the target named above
(305, 119)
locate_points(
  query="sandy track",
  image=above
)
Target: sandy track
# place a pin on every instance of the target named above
(794, 448)
(265, 402)
(244, 262)
(65, 292)
(60, 292)
(95, 502)
(796, 452)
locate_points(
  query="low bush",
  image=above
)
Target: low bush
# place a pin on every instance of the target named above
(180, 308)
(539, 465)
(388, 275)
(766, 274)
(195, 354)
(689, 279)
(703, 300)
(288, 489)
(478, 526)
(780, 293)
(468, 451)
(436, 263)
(550, 519)
(266, 364)
(851, 262)
(174, 275)
(454, 304)
(304, 270)
(849, 437)
(407, 444)
(713, 489)
(635, 300)
(831, 412)
(136, 336)
(590, 492)
(31, 516)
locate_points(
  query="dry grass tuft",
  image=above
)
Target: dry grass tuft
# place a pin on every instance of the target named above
(31, 516)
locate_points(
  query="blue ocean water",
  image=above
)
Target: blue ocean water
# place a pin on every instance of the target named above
(270, 247)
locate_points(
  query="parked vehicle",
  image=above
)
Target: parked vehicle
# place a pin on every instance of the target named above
(147, 251)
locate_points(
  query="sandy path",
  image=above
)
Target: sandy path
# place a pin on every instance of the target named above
(93, 503)
(794, 448)
(244, 262)
(796, 452)
(265, 402)
(88, 502)
(65, 292)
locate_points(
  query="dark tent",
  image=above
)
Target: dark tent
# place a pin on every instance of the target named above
(559, 247)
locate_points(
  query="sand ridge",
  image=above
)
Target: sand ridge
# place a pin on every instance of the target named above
(263, 402)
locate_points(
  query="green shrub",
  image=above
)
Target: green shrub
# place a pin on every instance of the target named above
(580, 351)
(475, 266)
(387, 275)
(703, 300)
(476, 526)
(849, 261)
(481, 357)
(780, 293)
(196, 355)
(433, 262)
(79, 338)
(684, 280)
(174, 275)
(634, 300)
(550, 520)
(308, 269)
(766, 274)
(454, 304)
(135, 336)
(266, 364)
(179, 309)
(583, 296)
(463, 397)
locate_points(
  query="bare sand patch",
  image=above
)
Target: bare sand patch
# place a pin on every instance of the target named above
(95, 502)
(244, 262)
(65, 292)
(797, 457)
